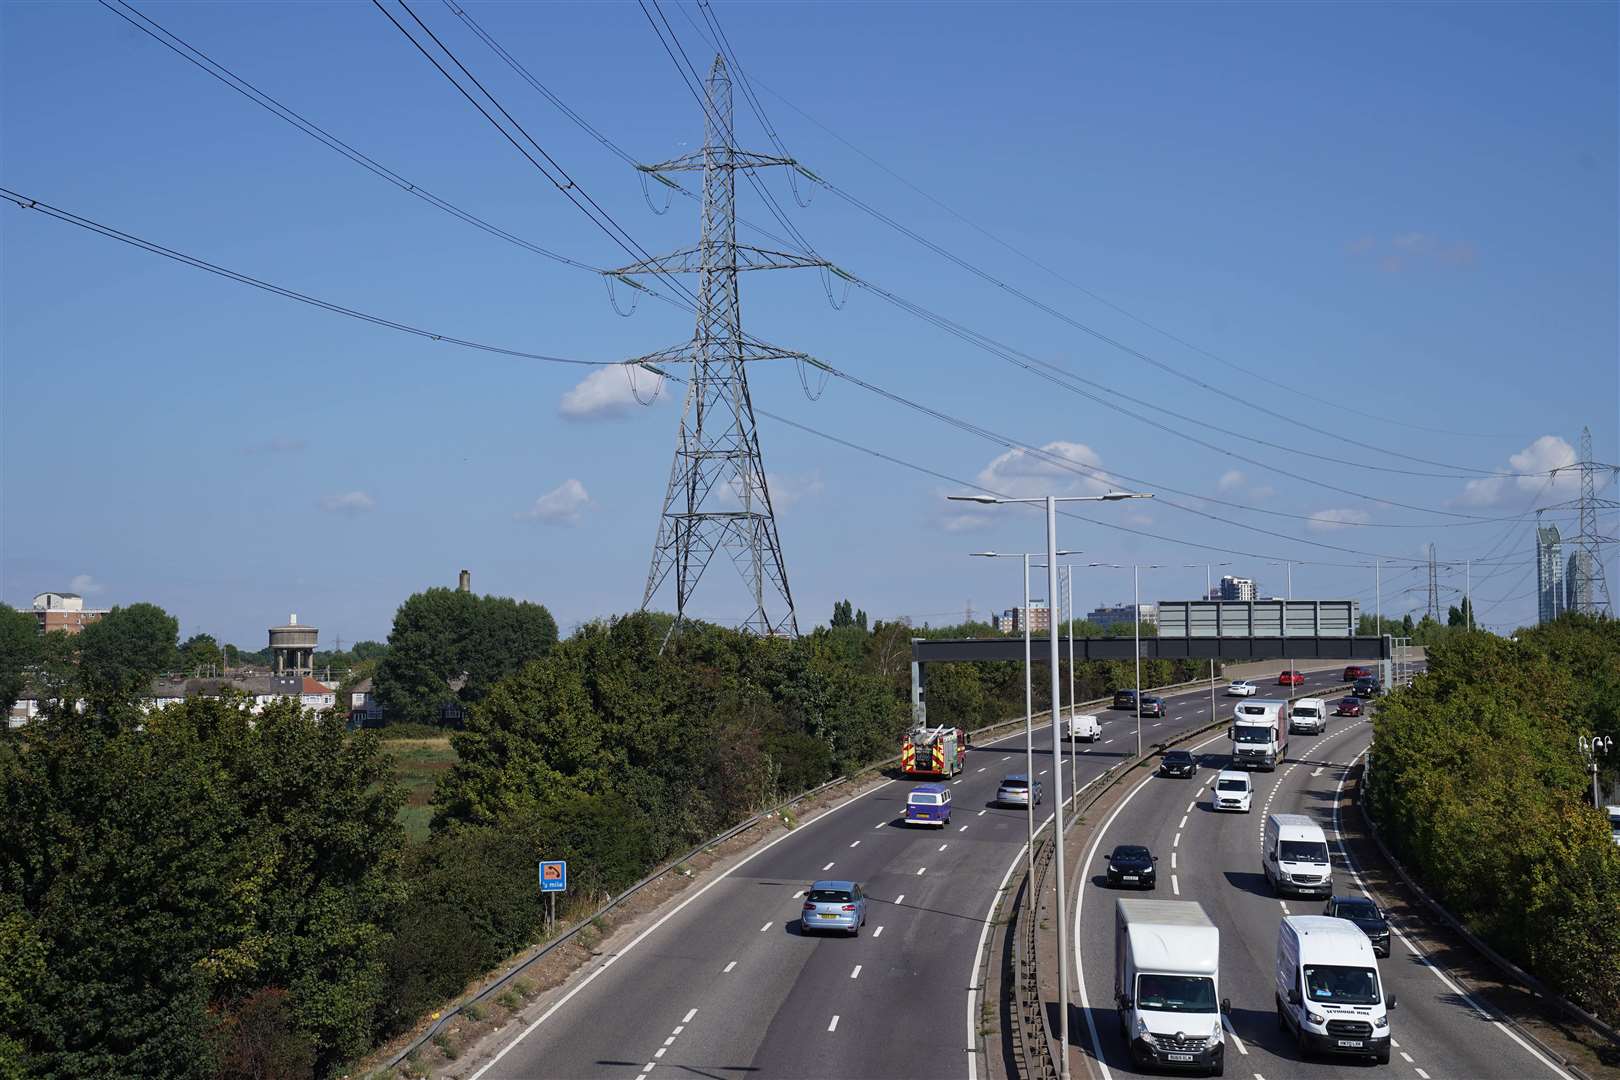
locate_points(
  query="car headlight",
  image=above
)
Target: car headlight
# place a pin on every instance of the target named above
(1315, 1018)
(1381, 1022)
(1142, 1031)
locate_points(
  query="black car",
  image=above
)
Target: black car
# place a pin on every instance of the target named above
(1152, 705)
(1365, 914)
(1178, 763)
(1124, 699)
(1132, 864)
(1366, 687)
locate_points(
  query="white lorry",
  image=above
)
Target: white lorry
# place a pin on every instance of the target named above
(1167, 985)
(1259, 733)
(1308, 716)
(1328, 991)
(1294, 856)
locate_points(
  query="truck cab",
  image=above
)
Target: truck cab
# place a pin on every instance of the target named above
(1294, 856)
(1167, 985)
(1259, 733)
(1329, 993)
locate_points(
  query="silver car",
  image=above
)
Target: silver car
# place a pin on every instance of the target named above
(1014, 791)
(833, 905)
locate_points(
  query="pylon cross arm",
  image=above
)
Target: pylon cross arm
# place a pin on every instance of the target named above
(725, 157)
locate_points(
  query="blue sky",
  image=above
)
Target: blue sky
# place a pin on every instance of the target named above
(1407, 210)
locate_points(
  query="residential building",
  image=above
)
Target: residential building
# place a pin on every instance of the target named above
(64, 611)
(1011, 621)
(1578, 576)
(364, 708)
(1237, 588)
(1549, 574)
(1124, 614)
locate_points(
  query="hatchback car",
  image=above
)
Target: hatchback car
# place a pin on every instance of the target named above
(1349, 705)
(1243, 688)
(1014, 791)
(1291, 678)
(1366, 688)
(1178, 763)
(1365, 914)
(834, 905)
(1233, 791)
(1124, 699)
(1132, 864)
(1356, 671)
(1152, 705)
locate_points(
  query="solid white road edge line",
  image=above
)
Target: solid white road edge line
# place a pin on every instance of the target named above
(1428, 961)
(639, 938)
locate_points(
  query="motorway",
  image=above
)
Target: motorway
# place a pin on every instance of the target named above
(1215, 859)
(723, 984)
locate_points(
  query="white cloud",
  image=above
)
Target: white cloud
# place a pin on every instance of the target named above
(1023, 475)
(966, 517)
(1264, 491)
(348, 502)
(610, 393)
(785, 489)
(1230, 480)
(1328, 520)
(560, 506)
(84, 585)
(1140, 521)
(1546, 453)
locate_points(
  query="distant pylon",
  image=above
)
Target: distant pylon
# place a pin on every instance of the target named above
(1434, 587)
(718, 499)
(1587, 584)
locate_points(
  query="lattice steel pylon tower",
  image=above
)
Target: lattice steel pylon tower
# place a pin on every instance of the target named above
(718, 499)
(1434, 586)
(1587, 584)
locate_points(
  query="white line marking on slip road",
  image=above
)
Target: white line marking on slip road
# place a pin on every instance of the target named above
(1172, 860)
(942, 847)
(834, 1025)
(899, 899)
(1406, 1057)
(670, 1041)
(981, 813)
(829, 866)
(1175, 886)
(880, 825)
(1177, 841)
(764, 928)
(1226, 1022)
(982, 768)
(798, 894)
(660, 1052)
(1191, 806)
(856, 844)
(962, 829)
(1423, 1074)
(1182, 824)
(687, 1019)
(856, 973)
(878, 932)
(921, 870)
(725, 971)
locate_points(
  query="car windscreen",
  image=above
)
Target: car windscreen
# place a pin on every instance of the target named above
(1252, 733)
(1304, 711)
(1311, 851)
(1131, 854)
(1231, 785)
(1341, 985)
(1175, 993)
(1015, 782)
(830, 896)
(1178, 755)
(926, 798)
(1357, 909)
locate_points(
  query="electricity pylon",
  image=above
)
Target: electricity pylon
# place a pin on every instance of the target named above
(718, 499)
(1588, 586)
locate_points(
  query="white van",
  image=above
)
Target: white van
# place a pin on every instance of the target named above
(1308, 716)
(1328, 990)
(1167, 985)
(1084, 726)
(1295, 856)
(1233, 791)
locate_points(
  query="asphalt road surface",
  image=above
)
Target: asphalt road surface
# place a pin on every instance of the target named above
(724, 984)
(1214, 858)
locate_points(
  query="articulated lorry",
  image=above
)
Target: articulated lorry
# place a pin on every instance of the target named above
(1167, 985)
(940, 751)
(1259, 733)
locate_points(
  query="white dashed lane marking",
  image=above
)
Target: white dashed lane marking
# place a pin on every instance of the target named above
(900, 899)
(1175, 885)
(829, 866)
(878, 932)
(687, 1019)
(962, 829)
(764, 928)
(834, 1025)
(856, 973)
(981, 813)
(856, 844)
(942, 847)
(725, 971)
(921, 870)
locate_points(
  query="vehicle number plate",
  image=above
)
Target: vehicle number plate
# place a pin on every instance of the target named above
(1351, 1042)
(1130, 877)
(826, 915)
(1181, 1057)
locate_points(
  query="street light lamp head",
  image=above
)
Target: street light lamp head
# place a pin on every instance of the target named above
(1115, 496)
(986, 499)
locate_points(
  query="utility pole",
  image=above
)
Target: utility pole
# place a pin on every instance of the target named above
(718, 499)
(1434, 586)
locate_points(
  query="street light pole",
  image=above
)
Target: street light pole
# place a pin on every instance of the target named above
(1057, 802)
(1068, 573)
(1136, 627)
(1592, 748)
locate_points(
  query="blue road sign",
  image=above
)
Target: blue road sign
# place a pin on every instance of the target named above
(554, 876)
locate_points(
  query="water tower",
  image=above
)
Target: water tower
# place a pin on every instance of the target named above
(292, 648)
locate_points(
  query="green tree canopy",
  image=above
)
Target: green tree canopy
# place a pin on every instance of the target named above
(200, 653)
(19, 652)
(120, 653)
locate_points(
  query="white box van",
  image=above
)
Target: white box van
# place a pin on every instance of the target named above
(1309, 715)
(1167, 983)
(1259, 733)
(1084, 726)
(1328, 991)
(1295, 856)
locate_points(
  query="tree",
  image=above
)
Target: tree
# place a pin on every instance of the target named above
(120, 653)
(449, 645)
(1461, 616)
(232, 656)
(200, 653)
(19, 651)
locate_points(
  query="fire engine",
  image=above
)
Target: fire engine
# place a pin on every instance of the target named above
(940, 751)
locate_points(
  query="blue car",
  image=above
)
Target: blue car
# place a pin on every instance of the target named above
(834, 905)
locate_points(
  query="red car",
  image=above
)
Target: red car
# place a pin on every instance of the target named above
(1356, 671)
(1348, 706)
(1291, 678)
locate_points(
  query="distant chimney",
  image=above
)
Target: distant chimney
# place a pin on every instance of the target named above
(465, 585)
